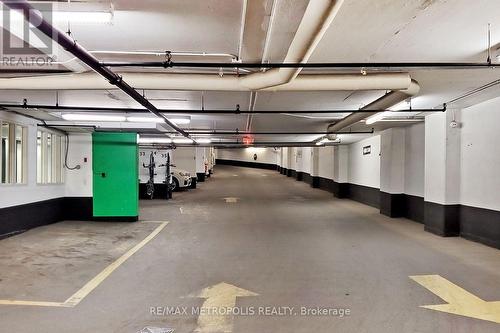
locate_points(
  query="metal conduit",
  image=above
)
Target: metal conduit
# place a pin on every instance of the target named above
(34, 17)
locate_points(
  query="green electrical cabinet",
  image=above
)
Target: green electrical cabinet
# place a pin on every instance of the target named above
(115, 176)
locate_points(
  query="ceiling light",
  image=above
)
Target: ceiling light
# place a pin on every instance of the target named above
(145, 120)
(404, 105)
(92, 117)
(322, 142)
(203, 140)
(182, 140)
(154, 140)
(377, 117)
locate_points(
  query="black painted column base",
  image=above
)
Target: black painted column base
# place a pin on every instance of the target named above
(299, 175)
(392, 205)
(200, 176)
(442, 220)
(289, 172)
(315, 182)
(193, 182)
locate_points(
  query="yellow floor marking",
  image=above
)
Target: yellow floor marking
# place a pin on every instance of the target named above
(77, 297)
(218, 297)
(32, 303)
(460, 301)
(231, 200)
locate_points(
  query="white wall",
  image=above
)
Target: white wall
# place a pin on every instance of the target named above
(264, 155)
(365, 169)
(79, 182)
(18, 194)
(415, 160)
(480, 155)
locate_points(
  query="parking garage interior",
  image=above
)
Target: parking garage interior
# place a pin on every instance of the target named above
(250, 166)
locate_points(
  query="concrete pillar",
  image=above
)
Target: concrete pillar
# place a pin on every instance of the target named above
(299, 163)
(289, 160)
(315, 167)
(392, 172)
(442, 175)
(341, 171)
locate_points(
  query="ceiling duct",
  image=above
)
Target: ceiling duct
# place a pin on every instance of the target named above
(205, 82)
(384, 102)
(317, 18)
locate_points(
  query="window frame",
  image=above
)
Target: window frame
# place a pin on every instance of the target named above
(51, 167)
(12, 157)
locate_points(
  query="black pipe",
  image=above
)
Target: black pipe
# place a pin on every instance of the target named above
(242, 145)
(200, 132)
(34, 17)
(374, 65)
(166, 111)
(215, 132)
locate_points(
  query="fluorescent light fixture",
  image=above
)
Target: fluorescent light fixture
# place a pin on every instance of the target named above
(322, 142)
(203, 140)
(92, 117)
(404, 105)
(180, 121)
(377, 117)
(182, 140)
(145, 119)
(154, 140)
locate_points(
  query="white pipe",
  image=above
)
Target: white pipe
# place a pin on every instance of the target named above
(167, 81)
(317, 18)
(383, 103)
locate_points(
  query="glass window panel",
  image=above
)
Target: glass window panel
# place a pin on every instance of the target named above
(39, 161)
(49, 158)
(5, 163)
(19, 154)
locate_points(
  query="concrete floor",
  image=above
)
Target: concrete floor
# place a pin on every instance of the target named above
(292, 245)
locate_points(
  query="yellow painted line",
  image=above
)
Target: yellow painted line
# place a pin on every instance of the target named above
(77, 297)
(460, 301)
(33, 303)
(96, 281)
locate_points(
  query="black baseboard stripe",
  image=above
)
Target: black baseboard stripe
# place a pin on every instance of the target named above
(246, 164)
(442, 220)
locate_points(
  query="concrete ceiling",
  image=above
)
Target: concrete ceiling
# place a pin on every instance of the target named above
(363, 31)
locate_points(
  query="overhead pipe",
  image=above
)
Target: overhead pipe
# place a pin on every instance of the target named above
(317, 18)
(384, 102)
(335, 65)
(243, 145)
(222, 132)
(34, 17)
(208, 82)
(76, 108)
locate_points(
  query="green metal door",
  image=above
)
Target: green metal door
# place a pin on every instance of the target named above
(115, 179)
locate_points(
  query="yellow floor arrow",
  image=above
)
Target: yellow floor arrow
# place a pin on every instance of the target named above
(460, 301)
(218, 297)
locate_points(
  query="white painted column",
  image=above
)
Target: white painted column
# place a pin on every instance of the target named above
(315, 162)
(341, 164)
(392, 172)
(341, 171)
(442, 174)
